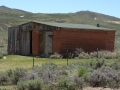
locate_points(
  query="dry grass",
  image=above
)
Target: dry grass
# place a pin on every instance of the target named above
(13, 61)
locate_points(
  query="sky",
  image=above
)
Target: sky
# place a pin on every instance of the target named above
(108, 7)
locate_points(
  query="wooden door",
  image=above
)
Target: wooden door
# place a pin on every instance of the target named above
(25, 43)
(49, 43)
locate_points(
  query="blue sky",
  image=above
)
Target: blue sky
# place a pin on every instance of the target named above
(109, 7)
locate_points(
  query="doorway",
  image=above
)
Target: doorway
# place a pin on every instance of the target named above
(30, 42)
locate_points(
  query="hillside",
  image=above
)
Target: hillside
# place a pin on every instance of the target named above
(5, 9)
(97, 16)
(11, 17)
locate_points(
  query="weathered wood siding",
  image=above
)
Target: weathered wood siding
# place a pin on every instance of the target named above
(17, 34)
(13, 40)
(25, 38)
(25, 42)
(42, 42)
(9, 41)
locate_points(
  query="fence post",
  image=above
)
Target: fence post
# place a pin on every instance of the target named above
(33, 60)
(67, 57)
(97, 53)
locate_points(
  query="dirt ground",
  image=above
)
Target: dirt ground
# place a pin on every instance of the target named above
(98, 88)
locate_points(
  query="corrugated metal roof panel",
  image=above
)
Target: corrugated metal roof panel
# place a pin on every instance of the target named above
(78, 26)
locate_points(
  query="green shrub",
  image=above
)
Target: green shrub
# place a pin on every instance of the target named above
(35, 84)
(72, 86)
(5, 89)
(44, 67)
(15, 75)
(106, 54)
(66, 84)
(81, 71)
(115, 65)
(104, 77)
(21, 85)
(101, 54)
(3, 79)
(79, 82)
(64, 72)
(62, 81)
(93, 54)
(98, 63)
(55, 56)
(84, 55)
(48, 72)
(86, 77)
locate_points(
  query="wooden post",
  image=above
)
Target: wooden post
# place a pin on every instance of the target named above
(33, 60)
(97, 53)
(67, 57)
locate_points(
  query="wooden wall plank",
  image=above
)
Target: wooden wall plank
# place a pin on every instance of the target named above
(42, 42)
(12, 41)
(9, 39)
(25, 43)
(17, 41)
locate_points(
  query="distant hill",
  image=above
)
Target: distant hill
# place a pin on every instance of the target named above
(96, 15)
(9, 10)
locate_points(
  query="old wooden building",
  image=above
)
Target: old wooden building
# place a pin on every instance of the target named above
(45, 38)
